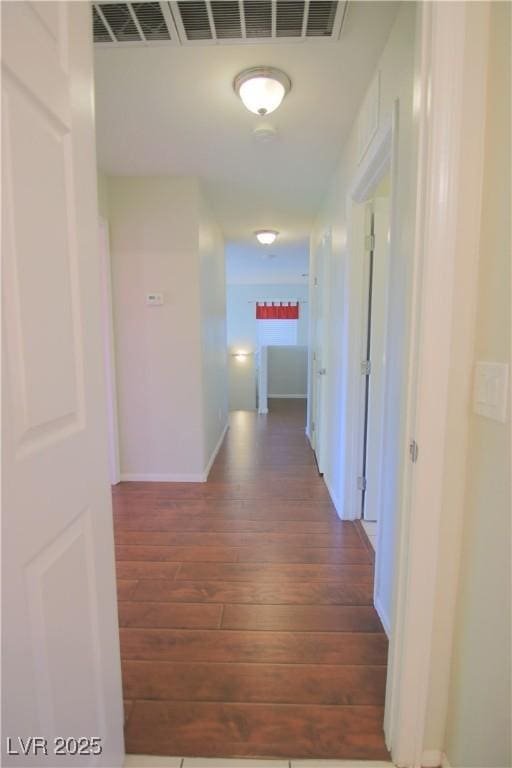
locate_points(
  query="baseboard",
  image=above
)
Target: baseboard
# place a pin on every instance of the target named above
(334, 497)
(263, 412)
(138, 477)
(287, 397)
(434, 758)
(387, 628)
(214, 453)
(431, 758)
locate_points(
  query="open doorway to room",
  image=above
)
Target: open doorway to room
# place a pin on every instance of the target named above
(318, 353)
(267, 325)
(107, 328)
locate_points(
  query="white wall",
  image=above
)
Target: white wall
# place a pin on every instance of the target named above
(169, 362)
(287, 371)
(242, 382)
(213, 329)
(396, 68)
(479, 714)
(103, 209)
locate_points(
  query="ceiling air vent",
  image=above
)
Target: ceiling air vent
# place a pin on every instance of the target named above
(226, 19)
(151, 21)
(211, 22)
(100, 31)
(289, 19)
(321, 19)
(258, 18)
(120, 21)
(195, 20)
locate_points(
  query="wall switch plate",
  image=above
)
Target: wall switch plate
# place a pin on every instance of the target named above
(154, 299)
(490, 391)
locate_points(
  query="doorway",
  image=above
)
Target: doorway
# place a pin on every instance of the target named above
(319, 351)
(107, 331)
(373, 353)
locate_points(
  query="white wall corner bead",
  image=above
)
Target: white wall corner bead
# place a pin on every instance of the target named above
(368, 121)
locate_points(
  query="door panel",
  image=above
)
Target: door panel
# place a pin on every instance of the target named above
(376, 393)
(320, 341)
(61, 670)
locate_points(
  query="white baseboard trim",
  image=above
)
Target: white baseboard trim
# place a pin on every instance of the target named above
(138, 477)
(334, 498)
(263, 412)
(431, 758)
(199, 477)
(287, 397)
(215, 452)
(387, 628)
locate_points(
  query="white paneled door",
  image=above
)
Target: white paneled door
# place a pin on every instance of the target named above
(320, 349)
(377, 355)
(61, 670)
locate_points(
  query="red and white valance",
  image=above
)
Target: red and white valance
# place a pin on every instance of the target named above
(277, 310)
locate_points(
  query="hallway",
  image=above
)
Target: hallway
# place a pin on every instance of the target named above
(245, 607)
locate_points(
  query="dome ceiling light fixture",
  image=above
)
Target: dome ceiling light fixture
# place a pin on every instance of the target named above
(262, 89)
(266, 236)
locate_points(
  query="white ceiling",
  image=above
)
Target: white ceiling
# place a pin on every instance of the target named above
(166, 110)
(251, 263)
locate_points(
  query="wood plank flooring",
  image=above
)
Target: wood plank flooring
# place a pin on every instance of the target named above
(245, 607)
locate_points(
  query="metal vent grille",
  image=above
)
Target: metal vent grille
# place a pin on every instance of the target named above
(258, 18)
(210, 22)
(99, 30)
(321, 19)
(120, 21)
(226, 18)
(289, 19)
(151, 21)
(195, 20)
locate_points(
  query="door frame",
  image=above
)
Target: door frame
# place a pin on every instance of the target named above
(316, 415)
(450, 107)
(107, 328)
(380, 159)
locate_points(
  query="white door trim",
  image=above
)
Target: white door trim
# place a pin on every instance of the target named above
(109, 351)
(381, 157)
(450, 104)
(263, 381)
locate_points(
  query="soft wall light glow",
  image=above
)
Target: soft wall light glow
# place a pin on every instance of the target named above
(266, 236)
(241, 355)
(262, 89)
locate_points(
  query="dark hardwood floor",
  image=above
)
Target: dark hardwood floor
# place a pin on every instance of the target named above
(245, 607)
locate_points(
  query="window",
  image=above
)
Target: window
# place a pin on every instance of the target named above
(277, 333)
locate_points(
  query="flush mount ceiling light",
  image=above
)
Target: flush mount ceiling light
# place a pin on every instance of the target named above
(266, 236)
(262, 89)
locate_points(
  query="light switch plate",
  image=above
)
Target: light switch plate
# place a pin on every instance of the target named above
(490, 391)
(154, 299)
